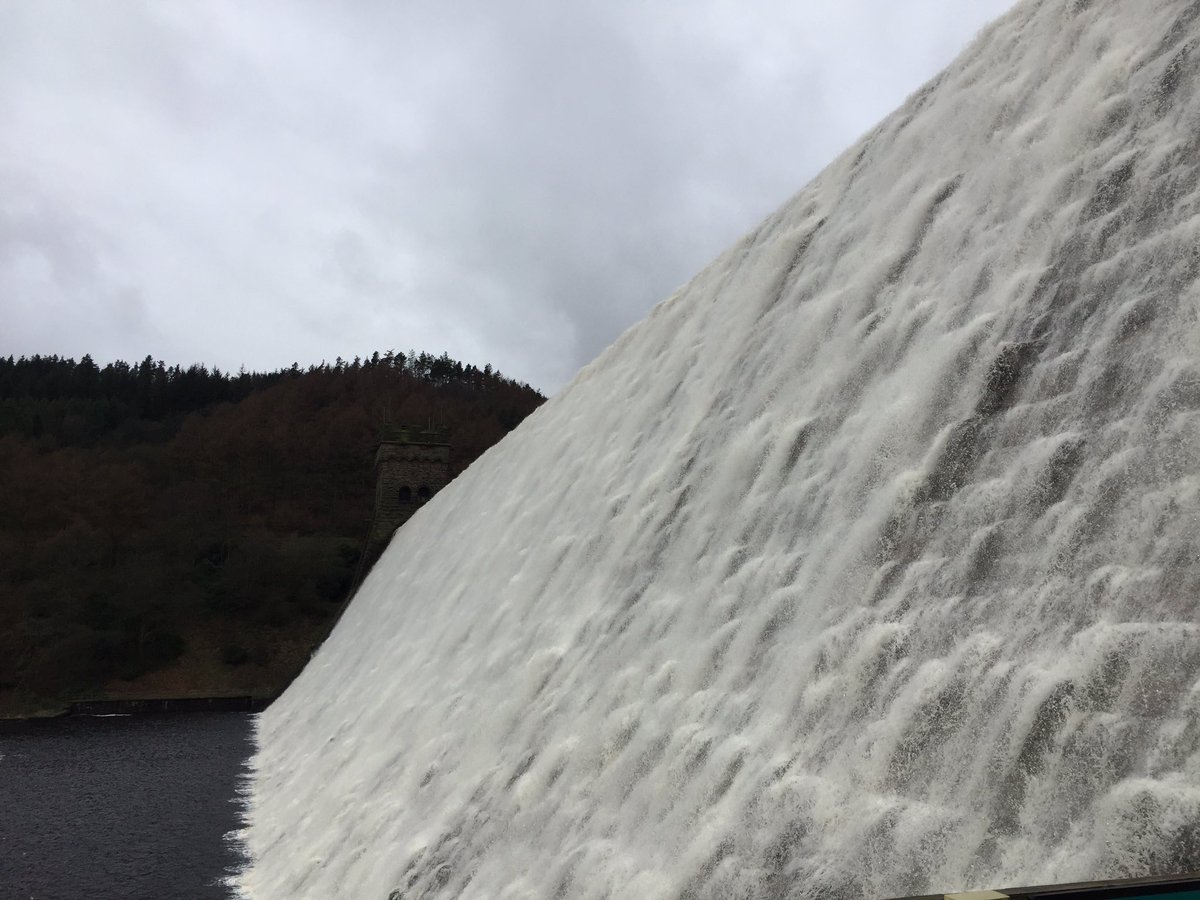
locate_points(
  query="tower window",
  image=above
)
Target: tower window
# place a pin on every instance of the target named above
(423, 493)
(406, 494)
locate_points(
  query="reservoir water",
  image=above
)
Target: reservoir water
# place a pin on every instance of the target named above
(121, 806)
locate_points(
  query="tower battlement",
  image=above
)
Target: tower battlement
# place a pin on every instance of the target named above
(411, 465)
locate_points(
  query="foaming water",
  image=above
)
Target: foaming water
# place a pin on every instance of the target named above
(136, 807)
(866, 565)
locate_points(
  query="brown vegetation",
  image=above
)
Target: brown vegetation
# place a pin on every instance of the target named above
(171, 532)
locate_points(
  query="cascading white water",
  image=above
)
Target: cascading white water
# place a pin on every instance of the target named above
(868, 564)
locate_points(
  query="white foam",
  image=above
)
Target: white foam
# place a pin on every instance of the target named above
(791, 592)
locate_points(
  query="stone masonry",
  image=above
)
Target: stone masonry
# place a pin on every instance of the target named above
(411, 465)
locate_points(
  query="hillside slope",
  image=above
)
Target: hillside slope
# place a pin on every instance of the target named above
(173, 532)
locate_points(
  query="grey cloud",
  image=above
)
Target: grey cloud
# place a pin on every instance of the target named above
(513, 183)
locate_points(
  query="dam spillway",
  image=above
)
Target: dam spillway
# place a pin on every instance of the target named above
(867, 565)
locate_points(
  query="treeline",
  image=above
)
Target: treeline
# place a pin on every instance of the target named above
(170, 530)
(80, 403)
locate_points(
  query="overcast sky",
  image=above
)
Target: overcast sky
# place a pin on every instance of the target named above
(252, 183)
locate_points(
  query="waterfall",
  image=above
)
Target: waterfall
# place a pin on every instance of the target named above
(868, 564)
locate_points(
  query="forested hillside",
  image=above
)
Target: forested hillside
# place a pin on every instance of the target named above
(171, 530)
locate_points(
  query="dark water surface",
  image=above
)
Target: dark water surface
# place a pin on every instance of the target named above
(126, 807)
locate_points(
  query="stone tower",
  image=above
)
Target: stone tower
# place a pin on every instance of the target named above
(411, 465)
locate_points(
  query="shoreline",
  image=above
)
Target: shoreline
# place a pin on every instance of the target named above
(132, 706)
